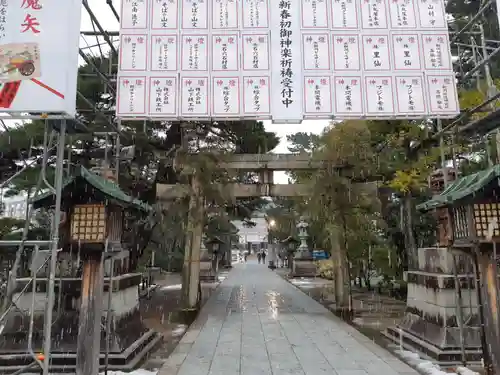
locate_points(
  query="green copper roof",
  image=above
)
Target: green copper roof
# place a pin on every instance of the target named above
(107, 187)
(462, 188)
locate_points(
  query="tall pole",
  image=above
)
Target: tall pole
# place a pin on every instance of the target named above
(47, 331)
(484, 345)
(488, 350)
(192, 253)
(108, 314)
(460, 318)
(491, 88)
(441, 149)
(89, 330)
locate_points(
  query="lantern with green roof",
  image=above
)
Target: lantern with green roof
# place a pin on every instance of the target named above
(94, 209)
(474, 208)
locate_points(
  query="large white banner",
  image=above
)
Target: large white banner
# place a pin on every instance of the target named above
(284, 60)
(39, 56)
(286, 57)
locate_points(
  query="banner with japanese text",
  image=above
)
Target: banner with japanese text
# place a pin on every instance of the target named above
(39, 56)
(285, 60)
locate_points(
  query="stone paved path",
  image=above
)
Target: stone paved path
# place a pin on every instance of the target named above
(259, 324)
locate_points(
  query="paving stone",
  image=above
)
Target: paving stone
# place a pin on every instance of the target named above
(256, 323)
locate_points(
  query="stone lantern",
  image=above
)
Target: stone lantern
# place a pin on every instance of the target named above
(214, 247)
(92, 227)
(210, 251)
(473, 206)
(290, 244)
(303, 262)
(303, 252)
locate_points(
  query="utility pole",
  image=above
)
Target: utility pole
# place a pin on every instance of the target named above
(47, 331)
(491, 271)
(491, 89)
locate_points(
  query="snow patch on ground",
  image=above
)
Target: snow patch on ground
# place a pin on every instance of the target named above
(429, 368)
(425, 366)
(465, 371)
(179, 331)
(172, 287)
(136, 372)
(306, 282)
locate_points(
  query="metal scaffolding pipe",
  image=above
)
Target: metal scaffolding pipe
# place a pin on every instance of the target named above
(472, 46)
(27, 165)
(99, 73)
(466, 115)
(26, 243)
(113, 9)
(472, 20)
(96, 110)
(92, 46)
(480, 64)
(98, 33)
(93, 18)
(54, 245)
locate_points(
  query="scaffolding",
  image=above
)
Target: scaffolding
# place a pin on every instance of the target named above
(94, 46)
(469, 46)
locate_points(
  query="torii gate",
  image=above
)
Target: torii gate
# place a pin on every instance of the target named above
(265, 165)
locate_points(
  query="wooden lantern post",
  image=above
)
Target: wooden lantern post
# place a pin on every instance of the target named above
(88, 231)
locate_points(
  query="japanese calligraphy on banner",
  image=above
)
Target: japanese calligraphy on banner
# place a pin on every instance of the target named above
(256, 96)
(39, 57)
(162, 96)
(194, 96)
(286, 71)
(410, 94)
(133, 91)
(284, 60)
(318, 95)
(348, 96)
(226, 96)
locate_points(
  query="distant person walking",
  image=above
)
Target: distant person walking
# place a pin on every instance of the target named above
(259, 256)
(263, 256)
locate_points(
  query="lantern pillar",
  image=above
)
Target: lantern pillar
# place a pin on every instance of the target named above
(89, 225)
(205, 263)
(89, 330)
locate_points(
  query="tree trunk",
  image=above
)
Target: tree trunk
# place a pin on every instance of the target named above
(342, 287)
(341, 278)
(191, 267)
(406, 217)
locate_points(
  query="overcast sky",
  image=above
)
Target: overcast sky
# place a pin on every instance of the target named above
(109, 23)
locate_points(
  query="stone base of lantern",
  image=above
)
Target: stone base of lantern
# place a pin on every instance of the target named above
(430, 322)
(304, 268)
(207, 273)
(130, 340)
